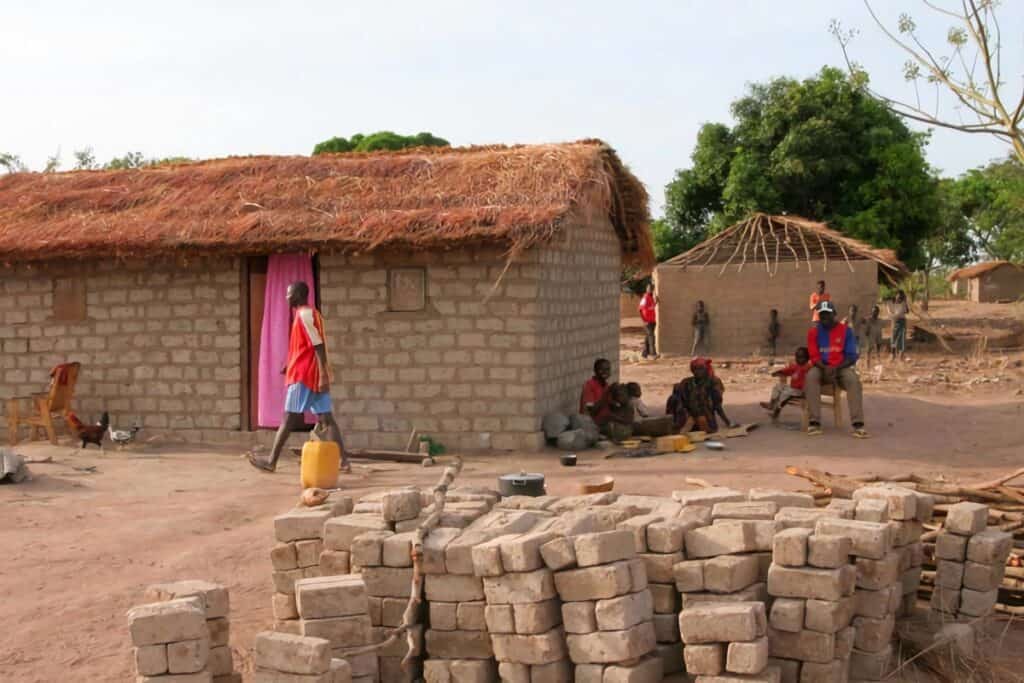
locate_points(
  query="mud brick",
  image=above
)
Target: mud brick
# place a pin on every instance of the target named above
(400, 505)
(536, 617)
(307, 552)
(340, 631)
(764, 563)
(902, 501)
(793, 518)
(469, 616)
(458, 644)
(950, 546)
(520, 587)
(219, 661)
(291, 654)
(459, 671)
(443, 616)
(400, 647)
(846, 508)
(150, 660)
(214, 597)
(991, 546)
(906, 532)
(593, 583)
(827, 616)
(756, 593)
(905, 557)
(514, 672)
(659, 566)
(789, 669)
(872, 510)
(668, 536)
(771, 674)
(500, 618)
(695, 515)
(831, 672)
(725, 538)
(331, 596)
(945, 600)
(544, 648)
(289, 626)
(361, 665)
(916, 552)
(283, 557)
(966, 519)
(555, 672)
(637, 526)
(606, 647)
(787, 614)
(339, 532)
(781, 498)
(649, 669)
(807, 646)
(709, 623)
(870, 666)
(708, 496)
(167, 622)
(704, 660)
(666, 628)
(820, 584)
(589, 673)
(368, 548)
(789, 547)
(388, 582)
(523, 553)
(877, 574)
(869, 539)
(828, 552)
(617, 614)
(925, 507)
(301, 523)
(911, 580)
(579, 617)
(637, 575)
(559, 554)
(604, 547)
(671, 656)
(873, 634)
(374, 609)
(730, 573)
(874, 603)
(689, 575)
(949, 574)
(977, 603)
(284, 606)
(334, 562)
(487, 556)
(764, 533)
(396, 549)
(391, 670)
(983, 577)
(665, 598)
(453, 588)
(844, 642)
(745, 510)
(434, 547)
(747, 658)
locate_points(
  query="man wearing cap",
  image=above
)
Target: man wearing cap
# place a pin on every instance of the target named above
(833, 350)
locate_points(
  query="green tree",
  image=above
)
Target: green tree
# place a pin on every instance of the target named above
(950, 243)
(384, 139)
(819, 148)
(12, 163)
(991, 200)
(85, 159)
(129, 160)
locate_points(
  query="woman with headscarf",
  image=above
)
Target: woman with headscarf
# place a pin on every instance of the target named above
(697, 400)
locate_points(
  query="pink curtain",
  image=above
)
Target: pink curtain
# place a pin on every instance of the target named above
(282, 270)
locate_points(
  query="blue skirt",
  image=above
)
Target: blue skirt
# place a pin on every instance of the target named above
(301, 399)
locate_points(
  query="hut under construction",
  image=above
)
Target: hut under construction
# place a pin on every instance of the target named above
(989, 282)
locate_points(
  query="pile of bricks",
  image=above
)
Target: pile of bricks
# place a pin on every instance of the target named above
(335, 609)
(286, 658)
(727, 642)
(970, 563)
(171, 641)
(216, 606)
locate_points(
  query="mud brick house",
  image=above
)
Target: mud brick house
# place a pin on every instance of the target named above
(466, 292)
(761, 263)
(989, 282)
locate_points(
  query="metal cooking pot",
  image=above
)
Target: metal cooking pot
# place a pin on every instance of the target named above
(522, 484)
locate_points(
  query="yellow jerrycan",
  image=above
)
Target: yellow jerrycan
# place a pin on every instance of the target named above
(321, 460)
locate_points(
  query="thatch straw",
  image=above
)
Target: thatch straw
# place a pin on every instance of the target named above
(920, 656)
(980, 269)
(425, 198)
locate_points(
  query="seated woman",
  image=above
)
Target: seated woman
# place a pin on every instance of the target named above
(697, 400)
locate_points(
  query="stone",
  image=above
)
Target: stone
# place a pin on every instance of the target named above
(559, 554)
(443, 616)
(659, 565)
(339, 631)
(283, 557)
(977, 603)
(532, 618)
(331, 596)
(604, 547)
(725, 538)
(334, 562)
(902, 502)
(150, 660)
(983, 577)
(214, 597)
(554, 424)
(167, 622)
(873, 635)
(949, 546)
(666, 628)
(704, 660)
(991, 546)
(782, 498)
(789, 547)
(339, 532)
(307, 552)
(787, 614)
(877, 574)
(400, 505)
(872, 510)
(966, 519)
(520, 587)
(649, 669)
(746, 510)
(579, 617)
(826, 616)
(388, 582)
(722, 622)
(689, 575)
(874, 603)
(301, 523)
(522, 554)
(664, 597)
(821, 584)
(544, 648)
(747, 658)
(870, 666)
(606, 647)
(730, 573)
(708, 496)
(396, 550)
(828, 552)
(458, 644)
(807, 646)
(291, 654)
(594, 583)
(949, 574)
(620, 613)
(284, 606)
(574, 440)
(868, 539)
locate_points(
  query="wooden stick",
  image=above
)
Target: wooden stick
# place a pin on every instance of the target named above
(999, 481)
(796, 256)
(695, 481)
(764, 248)
(824, 251)
(807, 251)
(846, 256)
(736, 250)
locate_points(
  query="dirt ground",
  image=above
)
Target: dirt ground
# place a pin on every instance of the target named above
(85, 536)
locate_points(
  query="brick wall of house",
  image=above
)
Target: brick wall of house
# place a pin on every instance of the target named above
(739, 302)
(159, 343)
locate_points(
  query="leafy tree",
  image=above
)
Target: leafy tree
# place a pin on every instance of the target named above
(129, 160)
(384, 139)
(819, 148)
(949, 243)
(85, 159)
(991, 200)
(668, 241)
(12, 163)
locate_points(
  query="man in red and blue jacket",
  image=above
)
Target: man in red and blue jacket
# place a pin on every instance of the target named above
(833, 350)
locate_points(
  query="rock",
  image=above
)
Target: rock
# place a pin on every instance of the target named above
(554, 424)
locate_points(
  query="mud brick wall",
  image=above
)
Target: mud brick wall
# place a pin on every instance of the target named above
(739, 303)
(159, 342)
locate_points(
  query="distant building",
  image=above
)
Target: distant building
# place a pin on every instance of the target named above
(989, 282)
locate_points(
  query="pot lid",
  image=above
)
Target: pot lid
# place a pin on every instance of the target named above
(522, 476)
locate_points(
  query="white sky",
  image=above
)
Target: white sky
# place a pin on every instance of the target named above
(190, 79)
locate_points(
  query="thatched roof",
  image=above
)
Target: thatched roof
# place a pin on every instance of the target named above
(766, 241)
(426, 198)
(979, 269)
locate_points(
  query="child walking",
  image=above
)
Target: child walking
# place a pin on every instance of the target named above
(782, 393)
(701, 329)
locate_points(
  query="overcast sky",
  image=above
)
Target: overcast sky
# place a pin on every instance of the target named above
(208, 79)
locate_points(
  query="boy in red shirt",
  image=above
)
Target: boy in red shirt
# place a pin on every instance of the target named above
(782, 393)
(308, 378)
(649, 314)
(594, 399)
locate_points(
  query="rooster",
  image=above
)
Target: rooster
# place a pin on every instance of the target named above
(89, 433)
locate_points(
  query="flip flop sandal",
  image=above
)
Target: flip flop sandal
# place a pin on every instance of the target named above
(861, 434)
(814, 430)
(262, 467)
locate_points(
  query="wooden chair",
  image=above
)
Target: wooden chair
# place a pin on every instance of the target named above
(828, 391)
(56, 401)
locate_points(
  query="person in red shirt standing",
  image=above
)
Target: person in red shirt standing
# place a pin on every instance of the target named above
(594, 399)
(833, 350)
(649, 314)
(782, 393)
(817, 297)
(308, 378)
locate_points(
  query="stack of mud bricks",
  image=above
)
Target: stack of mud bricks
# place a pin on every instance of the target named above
(970, 560)
(299, 553)
(171, 641)
(287, 658)
(216, 606)
(335, 609)
(726, 642)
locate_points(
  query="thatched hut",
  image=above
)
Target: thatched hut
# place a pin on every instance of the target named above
(758, 264)
(466, 292)
(989, 282)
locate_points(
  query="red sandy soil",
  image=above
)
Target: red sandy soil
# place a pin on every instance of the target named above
(80, 544)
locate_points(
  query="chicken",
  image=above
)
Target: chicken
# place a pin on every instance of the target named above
(89, 433)
(124, 437)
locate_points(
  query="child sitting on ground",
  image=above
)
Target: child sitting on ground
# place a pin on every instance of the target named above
(635, 393)
(783, 393)
(645, 424)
